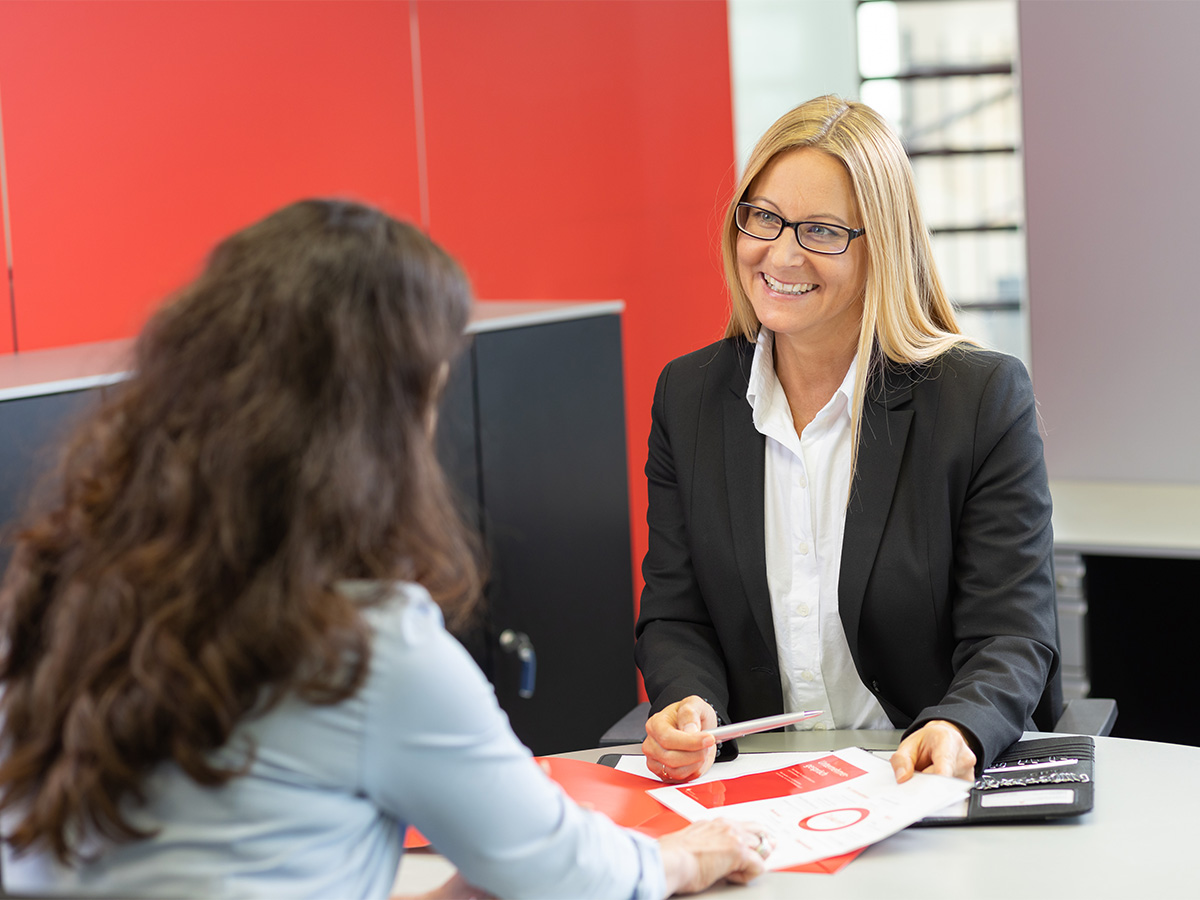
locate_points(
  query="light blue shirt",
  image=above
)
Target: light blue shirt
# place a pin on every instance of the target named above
(322, 810)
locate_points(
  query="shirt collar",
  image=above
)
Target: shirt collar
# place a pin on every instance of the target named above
(764, 390)
(763, 381)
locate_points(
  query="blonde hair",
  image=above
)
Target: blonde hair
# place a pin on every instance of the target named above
(906, 317)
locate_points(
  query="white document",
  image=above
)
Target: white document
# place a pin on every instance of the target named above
(742, 764)
(826, 805)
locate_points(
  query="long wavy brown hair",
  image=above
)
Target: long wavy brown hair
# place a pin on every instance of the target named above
(273, 441)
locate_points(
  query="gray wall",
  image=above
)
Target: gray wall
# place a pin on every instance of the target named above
(1111, 97)
(783, 52)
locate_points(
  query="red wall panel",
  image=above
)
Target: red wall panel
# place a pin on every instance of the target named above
(6, 336)
(576, 151)
(583, 151)
(137, 134)
(6, 318)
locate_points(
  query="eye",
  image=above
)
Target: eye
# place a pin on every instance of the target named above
(758, 222)
(820, 235)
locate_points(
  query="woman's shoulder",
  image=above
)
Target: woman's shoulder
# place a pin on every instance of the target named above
(399, 613)
(965, 381)
(968, 365)
(973, 357)
(726, 349)
(416, 664)
(723, 359)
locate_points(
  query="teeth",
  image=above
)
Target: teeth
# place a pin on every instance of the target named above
(787, 288)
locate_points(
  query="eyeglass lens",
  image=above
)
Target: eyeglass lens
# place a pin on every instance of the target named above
(816, 236)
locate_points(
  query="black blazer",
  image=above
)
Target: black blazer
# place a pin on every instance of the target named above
(946, 589)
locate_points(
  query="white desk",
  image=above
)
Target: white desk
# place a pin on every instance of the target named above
(1133, 844)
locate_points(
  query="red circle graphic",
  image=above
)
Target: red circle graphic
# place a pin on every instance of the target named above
(833, 819)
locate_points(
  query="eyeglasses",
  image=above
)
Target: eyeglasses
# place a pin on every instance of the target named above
(819, 237)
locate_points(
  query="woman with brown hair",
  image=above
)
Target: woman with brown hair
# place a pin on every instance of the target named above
(223, 666)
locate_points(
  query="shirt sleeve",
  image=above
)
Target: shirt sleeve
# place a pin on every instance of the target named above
(439, 754)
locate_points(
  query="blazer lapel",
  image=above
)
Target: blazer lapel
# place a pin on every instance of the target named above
(745, 476)
(884, 433)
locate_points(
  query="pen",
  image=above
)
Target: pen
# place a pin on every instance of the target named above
(753, 726)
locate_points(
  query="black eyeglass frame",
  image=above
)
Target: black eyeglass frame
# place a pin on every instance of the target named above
(795, 229)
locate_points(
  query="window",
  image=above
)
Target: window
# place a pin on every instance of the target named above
(941, 71)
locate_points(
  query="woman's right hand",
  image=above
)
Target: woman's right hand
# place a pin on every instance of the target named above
(676, 746)
(705, 852)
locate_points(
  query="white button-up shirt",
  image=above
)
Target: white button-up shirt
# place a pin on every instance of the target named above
(807, 485)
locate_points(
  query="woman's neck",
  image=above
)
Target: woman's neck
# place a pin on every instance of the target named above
(810, 375)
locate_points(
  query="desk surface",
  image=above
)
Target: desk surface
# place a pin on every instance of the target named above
(1138, 841)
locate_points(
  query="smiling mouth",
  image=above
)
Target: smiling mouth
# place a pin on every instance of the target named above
(784, 288)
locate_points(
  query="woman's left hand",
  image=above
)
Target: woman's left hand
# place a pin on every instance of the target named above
(936, 748)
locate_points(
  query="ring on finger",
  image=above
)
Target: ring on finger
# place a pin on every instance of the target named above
(762, 848)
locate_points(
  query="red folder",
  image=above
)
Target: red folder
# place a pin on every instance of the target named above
(623, 798)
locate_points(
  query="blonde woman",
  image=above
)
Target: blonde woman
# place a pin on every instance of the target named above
(848, 500)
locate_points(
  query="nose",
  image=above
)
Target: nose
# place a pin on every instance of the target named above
(786, 249)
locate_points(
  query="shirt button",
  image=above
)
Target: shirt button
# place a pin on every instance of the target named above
(802, 481)
(820, 726)
(807, 675)
(802, 609)
(803, 548)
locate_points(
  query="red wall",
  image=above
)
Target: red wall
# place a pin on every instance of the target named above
(6, 337)
(139, 133)
(576, 151)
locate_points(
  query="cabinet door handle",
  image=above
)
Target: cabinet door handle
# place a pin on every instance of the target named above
(518, 642)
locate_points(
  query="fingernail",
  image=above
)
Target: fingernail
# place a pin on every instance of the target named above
(690, 727)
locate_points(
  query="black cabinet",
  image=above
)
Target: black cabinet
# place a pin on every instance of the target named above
(1142, 617)
(31, 431)
(532, 435)
(551, 477)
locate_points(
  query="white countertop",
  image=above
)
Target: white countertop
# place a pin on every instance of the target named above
(1112, 518)
(494, 315)
(38, 372)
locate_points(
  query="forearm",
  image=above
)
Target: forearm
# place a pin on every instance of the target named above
(994, 692)
(681, 659)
